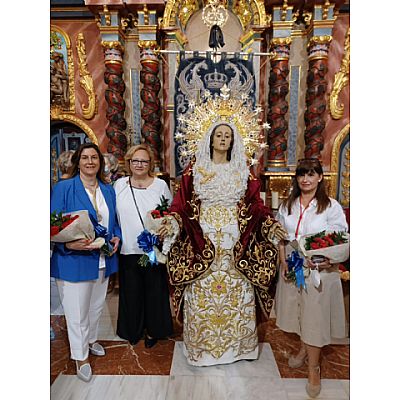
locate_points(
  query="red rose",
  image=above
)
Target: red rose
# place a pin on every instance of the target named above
(323, 245)
(314, 246)
(66, 223)
(330, 241)
(342, 268)
(54, 230)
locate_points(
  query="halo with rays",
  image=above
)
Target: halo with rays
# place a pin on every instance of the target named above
(194, 124)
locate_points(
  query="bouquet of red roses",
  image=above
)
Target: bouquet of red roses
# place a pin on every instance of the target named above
(333, 245)
(73, 226)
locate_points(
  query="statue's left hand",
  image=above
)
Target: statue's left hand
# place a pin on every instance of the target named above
(276, 233)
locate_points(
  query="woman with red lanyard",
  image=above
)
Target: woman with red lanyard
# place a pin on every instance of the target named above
(315, 314)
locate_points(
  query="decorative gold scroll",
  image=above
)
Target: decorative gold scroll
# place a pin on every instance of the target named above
(336, 153)
(86, 80)
(345, 183)
(341, 80)
(56, 114)
(173, 11)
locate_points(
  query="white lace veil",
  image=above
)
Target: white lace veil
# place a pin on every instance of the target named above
(230, 180)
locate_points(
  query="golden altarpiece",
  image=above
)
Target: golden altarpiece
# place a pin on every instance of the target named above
(115, 64)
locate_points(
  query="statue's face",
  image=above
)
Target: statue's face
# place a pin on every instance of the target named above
(222, 138)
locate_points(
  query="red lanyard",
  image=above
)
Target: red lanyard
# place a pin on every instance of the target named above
(301, 216)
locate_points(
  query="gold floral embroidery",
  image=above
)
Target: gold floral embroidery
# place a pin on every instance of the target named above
(218, 287)
(207, 176)
(218, 216)
(225, 321)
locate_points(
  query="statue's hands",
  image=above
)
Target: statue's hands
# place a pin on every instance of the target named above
(276, 233)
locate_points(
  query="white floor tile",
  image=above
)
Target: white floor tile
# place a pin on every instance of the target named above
(265, 366)
(197, 388)
(331, 389)
(257, 388)
(110, 387)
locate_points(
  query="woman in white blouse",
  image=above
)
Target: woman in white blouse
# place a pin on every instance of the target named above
(144, 306)
(315, 314)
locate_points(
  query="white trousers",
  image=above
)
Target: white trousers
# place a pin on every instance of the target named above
(83, 303)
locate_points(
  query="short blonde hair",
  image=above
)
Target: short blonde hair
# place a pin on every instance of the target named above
(64, 161)
(129, 154)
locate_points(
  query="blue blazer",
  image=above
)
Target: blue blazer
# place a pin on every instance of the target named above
(71, 265)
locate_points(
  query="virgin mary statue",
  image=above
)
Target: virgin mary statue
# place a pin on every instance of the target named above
(223, 261)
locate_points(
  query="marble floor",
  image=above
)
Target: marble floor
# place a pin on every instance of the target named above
(137, 373)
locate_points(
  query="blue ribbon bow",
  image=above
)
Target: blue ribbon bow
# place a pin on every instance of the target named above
(295, 263)
(146, 241)
(101, 231)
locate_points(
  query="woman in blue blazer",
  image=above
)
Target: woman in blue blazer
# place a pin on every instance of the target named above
(81, 270)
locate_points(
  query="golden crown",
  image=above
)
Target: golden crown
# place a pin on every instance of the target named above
(239, 112)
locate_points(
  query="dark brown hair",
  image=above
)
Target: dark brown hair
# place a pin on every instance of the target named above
(76, 157)
(306, 166)
(229, 153)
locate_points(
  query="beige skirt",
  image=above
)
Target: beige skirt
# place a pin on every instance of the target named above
(316, 315)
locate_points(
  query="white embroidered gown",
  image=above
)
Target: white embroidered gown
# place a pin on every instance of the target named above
(219, 309)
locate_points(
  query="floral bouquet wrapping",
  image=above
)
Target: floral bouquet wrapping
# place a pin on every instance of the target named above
(148, 240)
(333, 245)
(66, 227)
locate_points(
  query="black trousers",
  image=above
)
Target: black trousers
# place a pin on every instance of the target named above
(143, 300)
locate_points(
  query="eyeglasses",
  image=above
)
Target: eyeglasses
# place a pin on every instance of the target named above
(139, 162)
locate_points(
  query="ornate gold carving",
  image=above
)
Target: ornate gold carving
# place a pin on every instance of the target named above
(146, 15)
(346, 180)
(325, 9)
(173, 7)
(187, 8)
(86, 80)
(325, 39)
(284, 10)
(281, 41)
(215, 13)
(259, 15)
(148, 44)
(71, 80)
(107, 15)
(341, 80)
(281, 184)
(116, 45)
(243, 12)
(57, 114)
(335, 155)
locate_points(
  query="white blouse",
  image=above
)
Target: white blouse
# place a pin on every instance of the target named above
(332, 219)
(102, 209)
(147, 199)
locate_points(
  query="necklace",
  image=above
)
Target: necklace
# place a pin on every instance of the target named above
(92, 189)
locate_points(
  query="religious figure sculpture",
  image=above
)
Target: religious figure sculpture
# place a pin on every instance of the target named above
(59, 86)
(225, 254)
